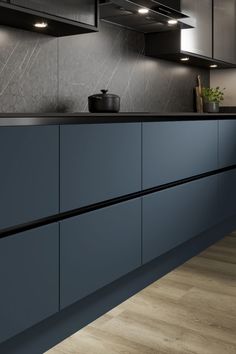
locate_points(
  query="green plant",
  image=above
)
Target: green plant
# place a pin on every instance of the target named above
(213, 94)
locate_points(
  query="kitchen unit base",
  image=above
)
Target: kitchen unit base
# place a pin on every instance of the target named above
(48, 333)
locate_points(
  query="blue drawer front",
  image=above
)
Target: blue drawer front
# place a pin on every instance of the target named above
(177, 150)
(175, 215)
(99, 162)
(227, 143)
(29, 182)
(29, 276)
(99, 247)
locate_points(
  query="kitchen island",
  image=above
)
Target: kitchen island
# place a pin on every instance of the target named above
(96, 207)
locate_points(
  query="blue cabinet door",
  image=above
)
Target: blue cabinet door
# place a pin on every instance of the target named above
(29, 277)
(175, 215)
(227, 190)
(29, 179)
(177, 150)
(98, 248)
(227, 143)
(99, 162)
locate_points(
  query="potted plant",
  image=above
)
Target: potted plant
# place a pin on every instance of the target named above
(212, 97)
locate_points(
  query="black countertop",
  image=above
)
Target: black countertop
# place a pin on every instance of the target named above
(22, 119)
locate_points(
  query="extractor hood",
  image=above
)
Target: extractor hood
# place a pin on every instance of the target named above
(145, 16)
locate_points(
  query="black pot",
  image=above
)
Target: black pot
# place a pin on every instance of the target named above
(104, 103)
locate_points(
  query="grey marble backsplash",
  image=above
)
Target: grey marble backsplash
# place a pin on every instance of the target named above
(45, 74)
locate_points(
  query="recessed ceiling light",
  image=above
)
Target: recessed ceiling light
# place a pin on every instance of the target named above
(143, 11)
(213, 66)
(172, 22)
(40, 24)
(185, 59)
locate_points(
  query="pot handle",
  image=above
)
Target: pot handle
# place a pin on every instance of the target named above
(104, 92)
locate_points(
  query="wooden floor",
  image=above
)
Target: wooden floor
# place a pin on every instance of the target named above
(191, 310)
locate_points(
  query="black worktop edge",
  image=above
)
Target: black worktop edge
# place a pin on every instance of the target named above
(91, 118)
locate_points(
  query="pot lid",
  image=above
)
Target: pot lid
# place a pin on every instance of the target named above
(104, 94)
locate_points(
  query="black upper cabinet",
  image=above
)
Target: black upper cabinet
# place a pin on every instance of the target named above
(198, 40)
(212, 40)
(62, 17)
(76, 10)
(225, 30)
(174, 4)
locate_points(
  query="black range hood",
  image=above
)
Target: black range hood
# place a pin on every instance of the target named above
(126, 13)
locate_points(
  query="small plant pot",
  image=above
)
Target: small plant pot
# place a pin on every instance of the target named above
(211, 107)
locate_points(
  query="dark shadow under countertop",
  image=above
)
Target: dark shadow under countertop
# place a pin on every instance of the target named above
(22, 119)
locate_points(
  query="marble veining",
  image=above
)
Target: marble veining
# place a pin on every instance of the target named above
(41, 74)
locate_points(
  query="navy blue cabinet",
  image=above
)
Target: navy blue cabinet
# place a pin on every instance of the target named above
(98, 248)
(29, 277)
(99, 162)
(227, 143)
(29, 179)
(227, 189)
(175, 215)
(177, 150)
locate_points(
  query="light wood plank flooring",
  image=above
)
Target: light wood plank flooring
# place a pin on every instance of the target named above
(191, 310)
